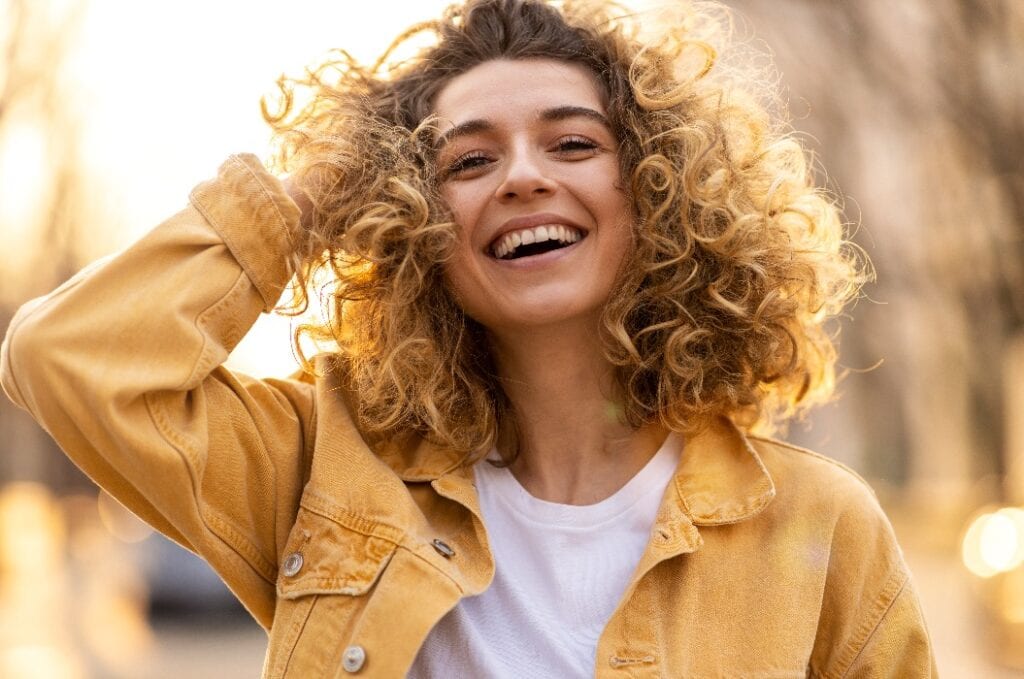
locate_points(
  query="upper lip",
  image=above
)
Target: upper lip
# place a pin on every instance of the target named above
(528, 222)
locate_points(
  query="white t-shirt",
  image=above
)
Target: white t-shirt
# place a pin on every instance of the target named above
(560, 571)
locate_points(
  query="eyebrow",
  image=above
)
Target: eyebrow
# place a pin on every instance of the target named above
(555, 114)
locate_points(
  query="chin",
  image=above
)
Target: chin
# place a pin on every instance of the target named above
(548, 316)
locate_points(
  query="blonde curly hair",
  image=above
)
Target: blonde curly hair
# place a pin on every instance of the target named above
(739, 259)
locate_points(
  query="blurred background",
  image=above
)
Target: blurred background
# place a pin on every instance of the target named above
(110, 111)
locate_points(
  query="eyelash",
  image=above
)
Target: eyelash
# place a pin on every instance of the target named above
(463, 163)
(566, 145)
(577, 142)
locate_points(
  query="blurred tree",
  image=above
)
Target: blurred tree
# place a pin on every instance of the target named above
(918, 108)
(917, 111)
(41, 171)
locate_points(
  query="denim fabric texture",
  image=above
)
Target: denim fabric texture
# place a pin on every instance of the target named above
(765, 560)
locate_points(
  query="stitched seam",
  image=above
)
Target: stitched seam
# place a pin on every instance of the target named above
(282, 222)
(186, 450)
(354, 585)
(236, 540)
(317, 504)
(257, 280)
(294, 632)
(44, 303)
(174, 438)
(765, 500)
(205, 363)
(856, 646)
(186, 447)
(384, 564)
(266, 192)
(811, 453)
(310, 441)
(338, 585)
(754, 511)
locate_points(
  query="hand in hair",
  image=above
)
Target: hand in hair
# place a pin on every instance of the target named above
(301, 200)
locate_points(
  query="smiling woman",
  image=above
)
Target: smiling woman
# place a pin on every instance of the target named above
(575, 266)
(535, 162)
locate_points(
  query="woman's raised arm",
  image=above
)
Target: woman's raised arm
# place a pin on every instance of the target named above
(121, 365)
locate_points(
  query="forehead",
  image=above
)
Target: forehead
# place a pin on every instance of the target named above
(504, 89)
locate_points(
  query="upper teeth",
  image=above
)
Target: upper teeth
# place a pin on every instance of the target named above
(508, 243)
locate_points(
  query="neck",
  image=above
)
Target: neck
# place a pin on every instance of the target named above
(574, 445)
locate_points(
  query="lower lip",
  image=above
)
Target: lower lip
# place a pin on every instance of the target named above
(541, 260)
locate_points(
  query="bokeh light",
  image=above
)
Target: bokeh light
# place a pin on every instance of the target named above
(994, 542)
(121, 523)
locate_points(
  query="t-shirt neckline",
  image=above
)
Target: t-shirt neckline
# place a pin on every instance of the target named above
(652, 478)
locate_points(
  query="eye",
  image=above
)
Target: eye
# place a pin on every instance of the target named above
(465, 163)
(575, 146)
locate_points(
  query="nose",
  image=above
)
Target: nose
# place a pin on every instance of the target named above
(525, 177)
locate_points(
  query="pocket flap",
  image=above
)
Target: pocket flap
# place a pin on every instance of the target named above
(322, 556)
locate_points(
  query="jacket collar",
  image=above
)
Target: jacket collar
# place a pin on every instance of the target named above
(720, 478)
(416, 459)
(411, 457)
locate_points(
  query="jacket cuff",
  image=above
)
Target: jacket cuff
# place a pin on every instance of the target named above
(252, 213)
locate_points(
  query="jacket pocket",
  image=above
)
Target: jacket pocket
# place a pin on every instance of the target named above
(326, 578)
(323, 556)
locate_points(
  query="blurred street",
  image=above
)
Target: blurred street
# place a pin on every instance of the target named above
(230, 650)
(961, 634)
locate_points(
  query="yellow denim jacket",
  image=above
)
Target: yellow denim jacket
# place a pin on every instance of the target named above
(764, 561)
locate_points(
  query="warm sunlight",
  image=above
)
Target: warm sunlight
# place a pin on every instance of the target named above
(167, 90)
(169, 98)
(23, 175)
(761, 161)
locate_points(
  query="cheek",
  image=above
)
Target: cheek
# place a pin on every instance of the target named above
(465, 205)
(461, 276)
(464, 201)
(465, 290)
(621, 242)
(603, 193)
(616, 213)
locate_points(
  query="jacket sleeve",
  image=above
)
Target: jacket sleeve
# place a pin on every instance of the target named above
(871, 625)
(898, 646)
(121, 365)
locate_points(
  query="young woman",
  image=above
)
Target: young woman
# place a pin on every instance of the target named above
(576, 266)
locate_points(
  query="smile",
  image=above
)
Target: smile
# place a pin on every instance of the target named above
(534, 241)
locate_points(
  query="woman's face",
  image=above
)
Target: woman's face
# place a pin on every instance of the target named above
(529, 167)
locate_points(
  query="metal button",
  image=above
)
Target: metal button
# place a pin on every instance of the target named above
(292, 564)
(442, 548)
(353, 659)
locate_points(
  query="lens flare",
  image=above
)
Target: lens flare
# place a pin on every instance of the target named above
(994, 542)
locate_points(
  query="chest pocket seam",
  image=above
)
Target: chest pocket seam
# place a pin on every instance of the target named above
(335, 558)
